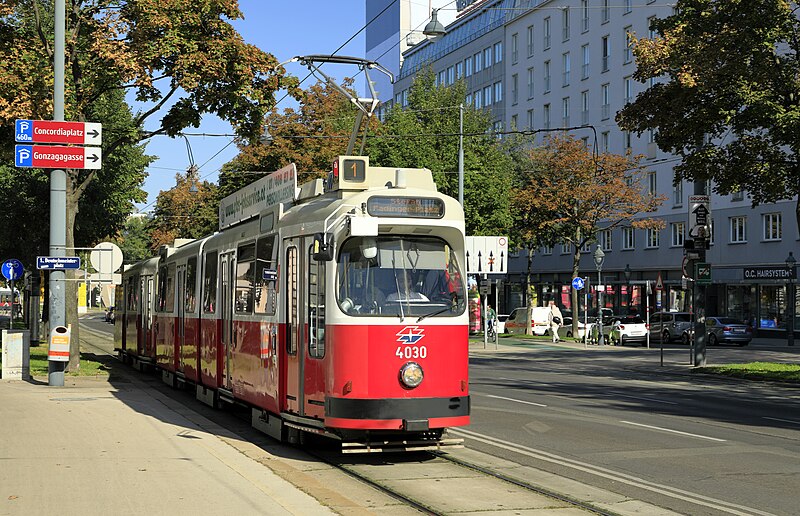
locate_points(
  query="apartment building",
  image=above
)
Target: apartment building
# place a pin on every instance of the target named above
(568, 63)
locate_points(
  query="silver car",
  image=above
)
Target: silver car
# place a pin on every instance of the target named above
(669, 326)
(727, 329)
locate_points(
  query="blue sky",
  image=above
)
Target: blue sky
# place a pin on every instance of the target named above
(284, 29)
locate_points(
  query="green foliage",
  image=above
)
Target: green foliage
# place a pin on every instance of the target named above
(425, 134)
(134, 240)
(730, 105)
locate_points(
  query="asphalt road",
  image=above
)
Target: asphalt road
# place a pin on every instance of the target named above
(614, 418)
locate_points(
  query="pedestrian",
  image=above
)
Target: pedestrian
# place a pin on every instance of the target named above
(554, 319)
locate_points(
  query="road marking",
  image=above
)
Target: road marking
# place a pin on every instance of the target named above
(793, 421)
(674, 431)
(644, 399)
(618, 476)
(512, 399)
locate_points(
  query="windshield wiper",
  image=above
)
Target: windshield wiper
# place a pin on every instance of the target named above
(435, 312)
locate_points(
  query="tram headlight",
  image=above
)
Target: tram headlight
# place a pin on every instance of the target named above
(411, 374)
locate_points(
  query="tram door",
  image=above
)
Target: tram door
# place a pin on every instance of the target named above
(180, 330)
(294, 328)
(145, 312)
(227, 271)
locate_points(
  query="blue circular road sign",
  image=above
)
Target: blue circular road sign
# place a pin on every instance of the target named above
(12, 269)
(577, 283)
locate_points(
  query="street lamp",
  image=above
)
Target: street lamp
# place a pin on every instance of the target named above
(627, 273)
(599, 257)
(434, 28)
(791, 298)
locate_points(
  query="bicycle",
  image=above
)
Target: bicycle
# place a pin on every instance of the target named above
(491, 334)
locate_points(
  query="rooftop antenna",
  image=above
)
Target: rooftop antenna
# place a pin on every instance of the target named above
(366, 106)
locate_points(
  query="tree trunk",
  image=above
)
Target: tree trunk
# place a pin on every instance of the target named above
(71, 287)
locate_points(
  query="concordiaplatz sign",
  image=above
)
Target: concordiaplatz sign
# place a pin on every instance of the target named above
(777, 273)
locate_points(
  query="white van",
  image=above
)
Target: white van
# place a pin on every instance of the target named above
(517, 319)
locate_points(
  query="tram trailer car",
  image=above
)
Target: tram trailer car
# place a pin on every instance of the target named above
(340, 311)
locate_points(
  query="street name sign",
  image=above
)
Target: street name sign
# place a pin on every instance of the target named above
(50, 131)
(58, 262)
(55, 156)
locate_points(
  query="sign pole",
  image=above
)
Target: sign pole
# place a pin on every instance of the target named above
(58, 200)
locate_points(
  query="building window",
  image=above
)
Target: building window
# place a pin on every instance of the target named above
(547, 76)
(605, 107)
(628, 87)
(468, 66)
(605, 138)
(547, 33)
(652, 184)
(478, 99)
(605, 12)
(565, 112)
(627, 238)
(441, 79)
(514, 91)
(530, 41)
(547, 249)
(738, 230)
(653, 238)
(584, 107)
(514, 51)
(514, 123)
(469, 99)
(487, 96)
(477, 59)
(605, 239)
(605, 45)
(585, 61)
(677, 192)
(566, 248)
(451, 75)
(405, 98)
(498, 91)
(546, 111)
(627, 52)
(530, 83)
(487, 57)
(530, 119)
(772, 226)
(498, 52)
(565, 23)
(677, 232)
(584, 15)
(737, 196)
(628, 6)
(459, 70)
(565, 69)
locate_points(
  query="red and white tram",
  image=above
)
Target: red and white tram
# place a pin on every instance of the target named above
(337, 308)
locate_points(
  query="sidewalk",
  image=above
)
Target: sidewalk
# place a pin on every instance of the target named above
(117, 446)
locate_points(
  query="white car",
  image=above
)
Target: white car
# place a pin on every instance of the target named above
(518, 318)
(501, 323)
(565, 330)
(629, 328)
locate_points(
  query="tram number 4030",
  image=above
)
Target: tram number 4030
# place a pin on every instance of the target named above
(411, 351)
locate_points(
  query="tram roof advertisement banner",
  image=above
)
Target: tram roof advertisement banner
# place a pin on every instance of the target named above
(269, 191)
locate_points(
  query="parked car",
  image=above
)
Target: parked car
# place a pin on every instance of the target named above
(669, 326)
(727, 329)
(628, 328)
(517, 319)
(565, 331)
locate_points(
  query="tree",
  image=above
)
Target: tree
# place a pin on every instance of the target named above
(730, 105)
(425, 134)
(183, 57)
(134, 239)
(566, 194)
(310, 137)
(188, 210)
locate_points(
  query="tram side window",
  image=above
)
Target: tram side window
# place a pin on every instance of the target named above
(133, 291)
(166, 288)
(316, 307)
(245, 275)
(210, 283)
(266, 276)
(190, 302)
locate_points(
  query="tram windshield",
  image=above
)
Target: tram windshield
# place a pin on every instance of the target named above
(400, 276)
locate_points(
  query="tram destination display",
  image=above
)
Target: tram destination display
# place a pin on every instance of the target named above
(413, 207)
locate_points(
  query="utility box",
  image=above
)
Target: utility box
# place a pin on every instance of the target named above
(59, 344)
(16, 355)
